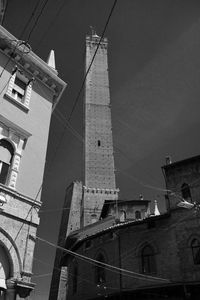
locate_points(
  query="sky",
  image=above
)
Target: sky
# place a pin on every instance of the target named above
(154, 73)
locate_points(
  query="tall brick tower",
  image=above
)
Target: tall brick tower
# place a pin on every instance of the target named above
(99, 181)
(84, 202)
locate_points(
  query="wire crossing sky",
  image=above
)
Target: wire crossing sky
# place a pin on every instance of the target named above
(154, 62)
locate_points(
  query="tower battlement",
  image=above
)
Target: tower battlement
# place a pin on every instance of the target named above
(93, 40)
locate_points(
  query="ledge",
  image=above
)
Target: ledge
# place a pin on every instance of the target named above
(18, 103)
(8, 190)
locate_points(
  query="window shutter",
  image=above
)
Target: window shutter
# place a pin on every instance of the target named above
(4, 173)
(11, 85)
(28, 94)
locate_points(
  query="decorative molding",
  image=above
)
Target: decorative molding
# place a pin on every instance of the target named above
(18, 143)
(8, 125)
(31, 63)
(7, 190)
(15, 101)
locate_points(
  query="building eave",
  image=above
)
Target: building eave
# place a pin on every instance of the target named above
(33, 202)
(74, 240)
(181, 162)
(32, 64)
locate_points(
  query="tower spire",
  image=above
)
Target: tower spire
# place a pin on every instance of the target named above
(51, 61)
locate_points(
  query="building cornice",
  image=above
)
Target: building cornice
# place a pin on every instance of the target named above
(31, 63)
(11, 192)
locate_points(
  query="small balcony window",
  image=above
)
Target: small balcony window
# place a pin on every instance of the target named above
(19, 90)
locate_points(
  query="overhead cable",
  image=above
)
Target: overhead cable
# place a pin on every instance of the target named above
(96, 262)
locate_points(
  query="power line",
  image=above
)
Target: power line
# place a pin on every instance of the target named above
(55, 18)
(69, 273)
(83, 82)
(131, 251)
(98, 45)
(97, 263)
(37, 19)
(62, 119)
(30, 33)
(30, 18)
(19, 42)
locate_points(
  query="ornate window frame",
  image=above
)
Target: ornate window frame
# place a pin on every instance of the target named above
(17, 137)
(13, 90)
(139, 254)
(191, 246)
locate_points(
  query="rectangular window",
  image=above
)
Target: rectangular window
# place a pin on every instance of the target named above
(3, 172)
(19, 89)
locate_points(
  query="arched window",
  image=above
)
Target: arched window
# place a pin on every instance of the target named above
(137, 215)
(148, 260)
(75, 277)
(6, 155)
(195, 246)
(122, 216)
(185, 191)
(100, 275)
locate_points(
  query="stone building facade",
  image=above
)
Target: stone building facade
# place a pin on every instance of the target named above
(29, 88)
(155, 257)
(118, 249)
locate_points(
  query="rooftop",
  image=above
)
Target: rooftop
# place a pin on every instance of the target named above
(104, 226)
(182, 162)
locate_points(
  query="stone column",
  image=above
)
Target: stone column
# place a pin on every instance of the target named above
(14, 170)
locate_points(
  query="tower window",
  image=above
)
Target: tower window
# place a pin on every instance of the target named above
(137, 215)
(185, 190)
(123, 216)
(6, 156)
(19, 89)
(100, 276)
(99, 143)
(195, 246)
(148, 260)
